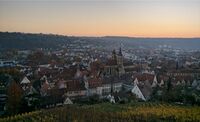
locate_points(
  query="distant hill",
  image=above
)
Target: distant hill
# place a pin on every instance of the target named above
(31, 41)
(178, 43)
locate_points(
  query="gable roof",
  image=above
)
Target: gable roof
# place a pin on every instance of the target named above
(67, 101)
(136, 90)
(136, 81)
(144, 77)
(146, 89)
(155, 82)
(25, 80)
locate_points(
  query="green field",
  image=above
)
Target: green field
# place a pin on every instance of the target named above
(106, 112)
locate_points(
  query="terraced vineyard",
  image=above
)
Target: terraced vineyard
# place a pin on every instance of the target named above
(112, 112)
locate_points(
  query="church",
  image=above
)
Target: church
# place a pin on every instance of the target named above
(114, 66)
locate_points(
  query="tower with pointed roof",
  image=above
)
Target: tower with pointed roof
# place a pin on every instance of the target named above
(120, 62)
(114, 66)
(114, 57)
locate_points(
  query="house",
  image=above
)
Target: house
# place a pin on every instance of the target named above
(67, 101)
(44, 88)
(25, 83)
(182, 80)
(31, 95)
(135, 82)
(142, 91)
(136, 90)
(75, 88)
(94, 86)
(111, 98)
(196, 84)
(54, 96)
(162, 83)
(151, 78)
(146, 89)
(142, 85)
(155, 82)
(111, 85)
(8, 63)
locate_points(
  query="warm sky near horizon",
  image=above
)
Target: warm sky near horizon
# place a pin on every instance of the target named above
(141, 18)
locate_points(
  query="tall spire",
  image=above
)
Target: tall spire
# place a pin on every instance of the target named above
(113, 52)
(120, 51)
(113, 55)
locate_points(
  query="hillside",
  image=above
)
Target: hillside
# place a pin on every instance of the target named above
(31, 41)
(18, 40)
(105, 112)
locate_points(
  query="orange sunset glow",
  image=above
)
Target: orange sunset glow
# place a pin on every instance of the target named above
(145, 18)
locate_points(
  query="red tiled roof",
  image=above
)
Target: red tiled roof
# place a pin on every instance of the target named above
(185, 78)
(75, 85)
(162, 77)
(144, 77)
(66, 74)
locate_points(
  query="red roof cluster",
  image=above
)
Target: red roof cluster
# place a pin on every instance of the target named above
(75, 85)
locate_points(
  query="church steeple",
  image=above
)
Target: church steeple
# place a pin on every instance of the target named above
(120, 52)
(114, 55)
(120, 62)
(120, 57)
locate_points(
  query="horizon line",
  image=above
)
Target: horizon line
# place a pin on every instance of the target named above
(92, 36)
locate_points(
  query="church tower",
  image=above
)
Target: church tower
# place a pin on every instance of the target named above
(114, 57)
(120, 57)
(120, 62)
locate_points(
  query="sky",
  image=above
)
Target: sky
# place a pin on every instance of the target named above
(134, 18)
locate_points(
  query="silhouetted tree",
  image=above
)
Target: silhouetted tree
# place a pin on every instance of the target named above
(14, 93)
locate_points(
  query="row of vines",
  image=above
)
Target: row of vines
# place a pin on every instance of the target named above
(148, 112)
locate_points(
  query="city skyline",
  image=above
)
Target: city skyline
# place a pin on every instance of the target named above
(133, 18)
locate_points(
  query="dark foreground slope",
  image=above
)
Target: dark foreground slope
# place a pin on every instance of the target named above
(106, 112)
